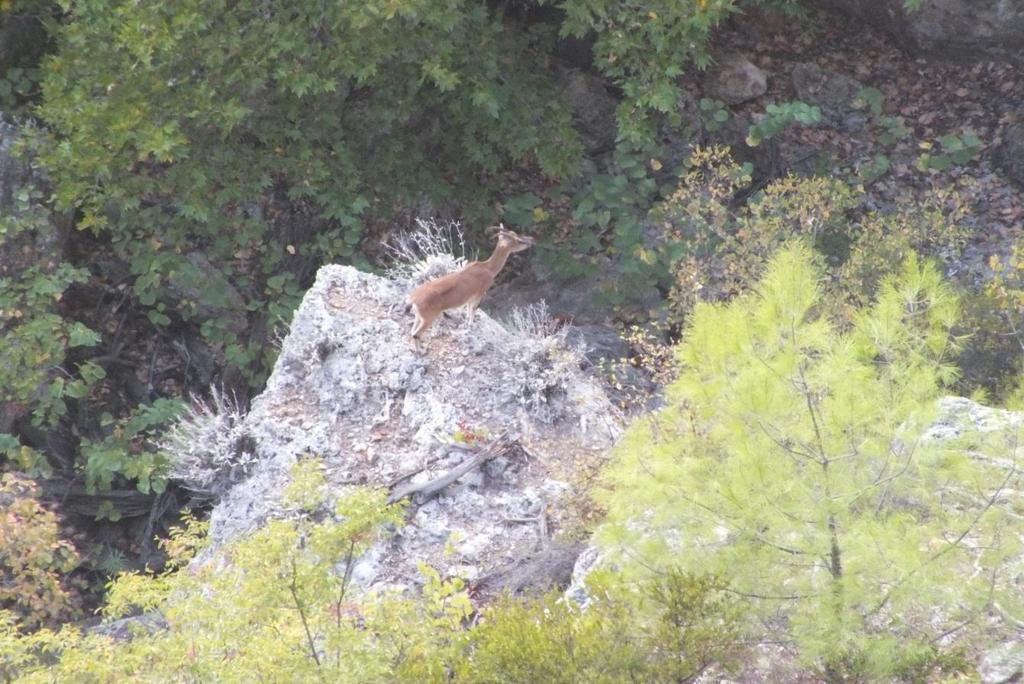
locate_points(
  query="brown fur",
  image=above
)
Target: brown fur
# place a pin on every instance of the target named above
(466, 286)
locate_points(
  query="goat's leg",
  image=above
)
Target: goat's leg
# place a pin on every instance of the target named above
(419, 326)
(471, 306)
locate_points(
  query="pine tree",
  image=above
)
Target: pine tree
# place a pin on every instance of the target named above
(791, 459)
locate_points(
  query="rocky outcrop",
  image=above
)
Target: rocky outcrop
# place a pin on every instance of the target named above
(950, 29)
(1002, 664)
(349, 388)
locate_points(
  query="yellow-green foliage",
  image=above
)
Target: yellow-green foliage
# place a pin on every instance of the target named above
(277, 607)
(729, 247)
(789, 462)
(273, 609)
(34, 560)
(996, 323)
(690, 625)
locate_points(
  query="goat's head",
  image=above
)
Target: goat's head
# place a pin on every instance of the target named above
(510, 239)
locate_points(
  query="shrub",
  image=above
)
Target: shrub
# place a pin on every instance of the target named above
(34, 560)
(726, 247)
(269, 137)
(790, 462)
(693, 625)
(778, 117)
(207, 448)
(36, 336)
(994, 324)
(278, 606)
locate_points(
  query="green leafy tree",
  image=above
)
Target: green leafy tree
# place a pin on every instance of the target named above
(791, 462)
(33, 378)
(268, 136)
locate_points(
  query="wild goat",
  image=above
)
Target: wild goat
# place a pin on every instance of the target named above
(467, 286)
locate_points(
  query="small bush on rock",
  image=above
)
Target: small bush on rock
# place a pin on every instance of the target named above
(208, 449)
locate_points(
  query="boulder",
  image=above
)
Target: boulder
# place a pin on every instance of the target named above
(1009, 154)
(832, 91)
(593, 108)
(735, 79)
(949, 29)
(208, 291)
(126, 629)
(1004, 663)
(349, 387)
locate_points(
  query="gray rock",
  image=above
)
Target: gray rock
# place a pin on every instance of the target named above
(587, 560)
(597, 342)
(128, 628)
(949, 29)
(473, 479)
(1004, 663)
(1009, 155)
(349, 388)
(735, 79)
(208, 290)
(497, 467)
(958, 416)
(832, 91)
(593, 108)
(369, 567)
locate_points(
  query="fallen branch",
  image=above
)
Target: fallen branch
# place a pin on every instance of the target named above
(540, 520)
(73, 497)
(421, 492)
